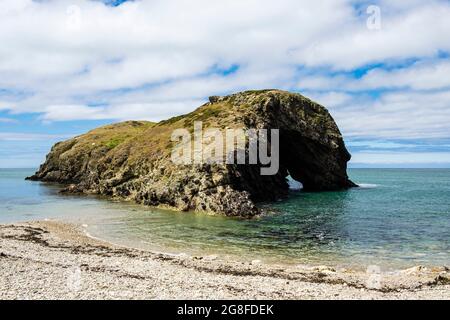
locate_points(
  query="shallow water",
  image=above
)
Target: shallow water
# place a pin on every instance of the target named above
(398, 218)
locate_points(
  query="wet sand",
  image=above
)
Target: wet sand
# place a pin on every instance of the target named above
(55, 260)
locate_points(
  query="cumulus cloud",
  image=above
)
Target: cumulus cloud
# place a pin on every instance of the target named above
(7, 120)
(14, 136)
(421, 75)
(408, 29)
(401, 158)
(79, 59)
(149, 111)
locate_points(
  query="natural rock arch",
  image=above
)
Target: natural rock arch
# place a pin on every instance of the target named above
(131, 160)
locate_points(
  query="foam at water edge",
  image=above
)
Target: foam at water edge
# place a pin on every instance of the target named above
(367, 185)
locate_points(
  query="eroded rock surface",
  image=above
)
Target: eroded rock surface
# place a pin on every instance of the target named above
(132, 160)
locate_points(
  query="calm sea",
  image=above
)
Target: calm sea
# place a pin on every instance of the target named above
(399, 218)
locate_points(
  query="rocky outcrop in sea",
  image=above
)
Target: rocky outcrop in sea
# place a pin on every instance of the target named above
(133, 160)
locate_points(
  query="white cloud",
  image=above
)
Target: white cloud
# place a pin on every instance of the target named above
(7, 120)
(332, 99)
(421, 76)
(428, 75)
(401, 158)
(16, 136)
(154, 59)
(404, 115)
(374, 144)
(412, 30)
(157, 111)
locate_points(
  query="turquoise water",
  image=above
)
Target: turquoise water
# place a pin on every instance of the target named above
(399, 218)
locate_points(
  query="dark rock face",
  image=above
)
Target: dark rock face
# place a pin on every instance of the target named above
(131, 160)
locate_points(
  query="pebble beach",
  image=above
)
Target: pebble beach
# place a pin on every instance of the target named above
(55, 260)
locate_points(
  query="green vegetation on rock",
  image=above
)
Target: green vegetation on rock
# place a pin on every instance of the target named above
(131, 160)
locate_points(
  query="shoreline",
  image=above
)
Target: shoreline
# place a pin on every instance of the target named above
(56, 260)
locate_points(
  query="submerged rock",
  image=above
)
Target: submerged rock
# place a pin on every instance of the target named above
(132, 160)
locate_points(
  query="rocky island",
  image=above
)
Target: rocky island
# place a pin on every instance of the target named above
(132, 160)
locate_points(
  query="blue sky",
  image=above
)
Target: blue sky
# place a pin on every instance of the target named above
(70, 66)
